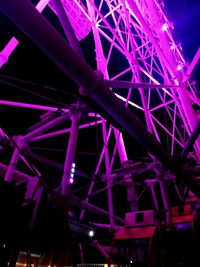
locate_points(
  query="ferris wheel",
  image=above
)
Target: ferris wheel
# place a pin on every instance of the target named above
(136, 105)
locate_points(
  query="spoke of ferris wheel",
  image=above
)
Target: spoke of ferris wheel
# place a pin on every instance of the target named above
(126, 84)
(13, 42)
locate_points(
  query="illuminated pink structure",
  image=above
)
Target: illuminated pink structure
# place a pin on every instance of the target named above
(139, 86)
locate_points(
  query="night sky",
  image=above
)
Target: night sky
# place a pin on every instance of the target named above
(185, 16)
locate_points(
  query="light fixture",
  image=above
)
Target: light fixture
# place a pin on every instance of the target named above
(164, 27)
(91, 233)
(72, 173)
(71, 180)
(172, 47)
(179, 67)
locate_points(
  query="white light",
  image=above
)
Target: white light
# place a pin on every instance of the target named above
(4, 245)
(73, 170)
(71, 180)
(172, 47)
(131, 261)
(179, 67)
(91, 233)
(71, 175)
(164, 27)
(73, 165)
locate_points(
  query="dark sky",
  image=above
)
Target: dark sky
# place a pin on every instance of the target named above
(185, 15)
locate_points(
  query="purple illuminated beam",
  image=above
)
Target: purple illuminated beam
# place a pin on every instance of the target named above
(69, 32)
(20, 177)
(24, 15)
(31, 106)
(64, 131)
(126, 84)
(13, 43)
(48, 126)
(70, 155)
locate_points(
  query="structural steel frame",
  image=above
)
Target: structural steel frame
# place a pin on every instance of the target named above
(154, 82)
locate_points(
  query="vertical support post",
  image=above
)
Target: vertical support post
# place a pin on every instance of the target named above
(37, 199)
(131, 193)
(103, 252)
(165, 197)
(81, 252)
(109, 179)
(96, 172)
(178, 192)
(70, 152)
(110, 203)
(13, 162)
(155, 200)
(69, 32)
(102, 66)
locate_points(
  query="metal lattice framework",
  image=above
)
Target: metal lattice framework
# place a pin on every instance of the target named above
(139, 62)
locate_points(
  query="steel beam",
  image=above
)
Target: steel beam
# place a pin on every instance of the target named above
(70, 154)
(92, 208)
(41, 32)
(69, 32)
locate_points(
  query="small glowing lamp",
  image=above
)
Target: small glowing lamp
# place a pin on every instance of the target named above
(179, 67)
(71, 180)
(164, 27)
(91, 233)
(73, 165)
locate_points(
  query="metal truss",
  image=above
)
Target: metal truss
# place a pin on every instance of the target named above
(140, 65)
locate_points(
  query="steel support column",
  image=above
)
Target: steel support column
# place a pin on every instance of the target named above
(69, 32)
(70, 152)
(14, 159)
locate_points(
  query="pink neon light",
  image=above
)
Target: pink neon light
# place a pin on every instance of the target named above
(27, 105)
(71, 180)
